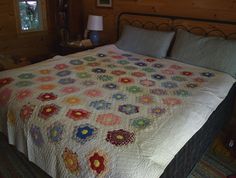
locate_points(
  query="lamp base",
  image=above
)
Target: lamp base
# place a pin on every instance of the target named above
(94, 37)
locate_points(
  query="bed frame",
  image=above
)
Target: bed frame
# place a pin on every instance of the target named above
(189, 155)
(205, 27)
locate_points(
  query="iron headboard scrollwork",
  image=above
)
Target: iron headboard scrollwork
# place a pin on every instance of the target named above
(205, 27)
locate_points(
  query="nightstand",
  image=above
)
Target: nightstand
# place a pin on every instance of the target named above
(10, 62)
(68, 48)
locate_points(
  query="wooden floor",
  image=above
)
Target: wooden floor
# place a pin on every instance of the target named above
(15, 165)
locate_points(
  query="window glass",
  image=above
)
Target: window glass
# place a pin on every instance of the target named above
(30, 15)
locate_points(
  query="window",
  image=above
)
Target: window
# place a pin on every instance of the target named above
(31, 15)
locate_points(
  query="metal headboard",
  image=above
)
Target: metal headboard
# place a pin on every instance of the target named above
(210, 27)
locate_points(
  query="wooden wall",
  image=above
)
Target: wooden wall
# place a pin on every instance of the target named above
(211, 9)
(75, 19)
(34, 44)
(28, 44)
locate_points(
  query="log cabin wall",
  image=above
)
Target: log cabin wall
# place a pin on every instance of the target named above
(75, 19)
(68, 19)
(28, 44)
(209, 9)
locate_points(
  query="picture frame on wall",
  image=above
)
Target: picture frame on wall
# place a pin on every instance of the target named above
(104, 3)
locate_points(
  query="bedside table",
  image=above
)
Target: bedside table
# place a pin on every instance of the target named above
(10, 62)
(68, 48)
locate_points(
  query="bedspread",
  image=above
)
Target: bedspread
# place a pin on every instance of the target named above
(107, 112)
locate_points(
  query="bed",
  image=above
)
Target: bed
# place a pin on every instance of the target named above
(108, 112)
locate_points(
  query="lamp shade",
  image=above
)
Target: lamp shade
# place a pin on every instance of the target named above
(95, 23)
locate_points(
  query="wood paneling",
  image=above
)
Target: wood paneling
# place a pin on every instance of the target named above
(25, 44)
(42, 43)
(75, 21)
(209, 9)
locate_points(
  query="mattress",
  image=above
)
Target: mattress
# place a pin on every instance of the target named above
(185, 160)
(107, 112)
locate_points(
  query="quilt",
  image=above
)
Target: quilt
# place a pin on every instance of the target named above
(107, 112)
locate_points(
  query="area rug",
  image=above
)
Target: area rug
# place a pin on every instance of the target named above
(217, 162)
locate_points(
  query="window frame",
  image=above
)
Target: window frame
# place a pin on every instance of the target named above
(42, 17)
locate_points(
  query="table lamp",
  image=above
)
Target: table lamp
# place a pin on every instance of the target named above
(95, 24)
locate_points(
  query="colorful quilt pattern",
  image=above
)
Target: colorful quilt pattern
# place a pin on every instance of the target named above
(83, 115)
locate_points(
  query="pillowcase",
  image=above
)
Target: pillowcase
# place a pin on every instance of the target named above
(145, 42)
(210, 52)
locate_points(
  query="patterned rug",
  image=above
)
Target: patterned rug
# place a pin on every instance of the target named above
(216, 163)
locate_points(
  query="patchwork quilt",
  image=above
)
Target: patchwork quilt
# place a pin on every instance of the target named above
(107, 112)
